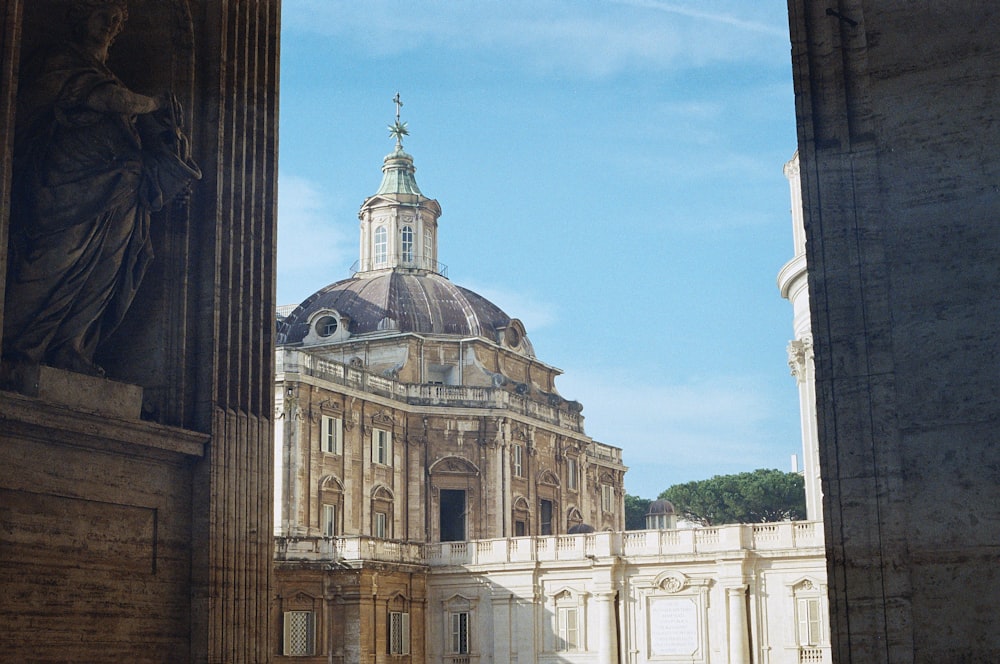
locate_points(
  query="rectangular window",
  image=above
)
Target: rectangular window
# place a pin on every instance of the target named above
(299, 633)
(331, 435)
(382, 447)
(571, 474)
(460, 633)
(607, 498)
(520, 530)
(809, 621)
(568, 629)
(545, 517)
(329, 520)
(381, 523)
(399, 633)
(518, 463)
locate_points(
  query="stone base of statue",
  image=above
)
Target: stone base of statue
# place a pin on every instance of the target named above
(96, 514)
(89, 394)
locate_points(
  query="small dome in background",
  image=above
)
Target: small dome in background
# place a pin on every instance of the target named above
(580, 529)
(658, 507)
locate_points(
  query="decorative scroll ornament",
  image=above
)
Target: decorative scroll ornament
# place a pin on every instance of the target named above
(800, 351)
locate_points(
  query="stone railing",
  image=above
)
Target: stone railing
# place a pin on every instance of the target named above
(453, 396)
(318, 549)
(756, 537)
(785, 535)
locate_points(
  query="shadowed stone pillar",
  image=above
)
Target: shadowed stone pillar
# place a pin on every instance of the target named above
(895, 104)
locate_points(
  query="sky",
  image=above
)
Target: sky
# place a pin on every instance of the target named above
(610, 172)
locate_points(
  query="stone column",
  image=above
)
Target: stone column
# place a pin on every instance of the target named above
(607, 637)
(739, 642)
(501, 607)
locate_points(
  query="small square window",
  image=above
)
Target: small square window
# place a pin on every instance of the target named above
(399, 633)
(299, 633)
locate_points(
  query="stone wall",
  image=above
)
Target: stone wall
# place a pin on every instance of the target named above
(896, 107)
(197, 342)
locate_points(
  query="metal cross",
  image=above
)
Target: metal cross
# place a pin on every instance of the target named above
(399, 105)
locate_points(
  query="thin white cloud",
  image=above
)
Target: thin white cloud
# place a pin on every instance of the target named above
(535, 313)
(727, 19)
(313, 246)
(554, 37)
(679, 432)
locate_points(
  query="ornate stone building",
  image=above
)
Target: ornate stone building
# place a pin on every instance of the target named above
(409, 411)
(438, 501)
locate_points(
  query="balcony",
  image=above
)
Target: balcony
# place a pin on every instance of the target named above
(592, 547)
(416, 263)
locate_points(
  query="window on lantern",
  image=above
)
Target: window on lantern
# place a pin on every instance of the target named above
(406, 244)
(381, 246)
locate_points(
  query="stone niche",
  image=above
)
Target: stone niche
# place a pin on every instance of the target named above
(135, 521)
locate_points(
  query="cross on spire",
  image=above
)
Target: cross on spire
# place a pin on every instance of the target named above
(398, 130)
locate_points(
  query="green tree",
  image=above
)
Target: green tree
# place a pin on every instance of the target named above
(757, 497)
(635, 512)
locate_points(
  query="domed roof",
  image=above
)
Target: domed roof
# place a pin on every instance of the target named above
(658, 507)
(405, 301)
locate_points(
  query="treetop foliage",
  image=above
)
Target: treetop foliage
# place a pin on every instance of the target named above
(752, 497)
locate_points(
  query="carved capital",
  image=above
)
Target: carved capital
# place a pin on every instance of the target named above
(800, 353)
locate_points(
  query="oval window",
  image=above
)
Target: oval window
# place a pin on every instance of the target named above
(326, 326)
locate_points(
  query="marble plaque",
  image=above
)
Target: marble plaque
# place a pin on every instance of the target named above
(673, 627)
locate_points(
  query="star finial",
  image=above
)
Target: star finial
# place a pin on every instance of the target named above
(398, 130)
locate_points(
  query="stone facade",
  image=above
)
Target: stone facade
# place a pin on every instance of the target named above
(136, 509)
(896, 104)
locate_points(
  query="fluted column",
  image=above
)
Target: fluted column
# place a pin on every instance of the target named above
(739, 641)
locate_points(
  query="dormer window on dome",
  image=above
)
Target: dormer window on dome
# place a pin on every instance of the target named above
(325, 326)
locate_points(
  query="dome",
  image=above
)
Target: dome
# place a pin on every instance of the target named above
(658, 507)
(405, 301)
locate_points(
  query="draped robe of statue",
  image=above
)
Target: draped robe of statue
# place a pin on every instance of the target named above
(80, 215)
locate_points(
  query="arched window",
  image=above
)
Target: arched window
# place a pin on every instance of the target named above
(407, 244)
(428, 250)
(381, 246)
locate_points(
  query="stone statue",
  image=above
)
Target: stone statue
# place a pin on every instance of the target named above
(92, 160)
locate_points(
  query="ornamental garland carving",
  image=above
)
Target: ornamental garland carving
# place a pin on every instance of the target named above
(383, 418)
(800, 351)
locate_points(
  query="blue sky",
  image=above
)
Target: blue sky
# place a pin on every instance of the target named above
(610, 172)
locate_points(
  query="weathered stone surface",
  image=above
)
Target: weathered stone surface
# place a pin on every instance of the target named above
(197, 340)
(899, 166)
